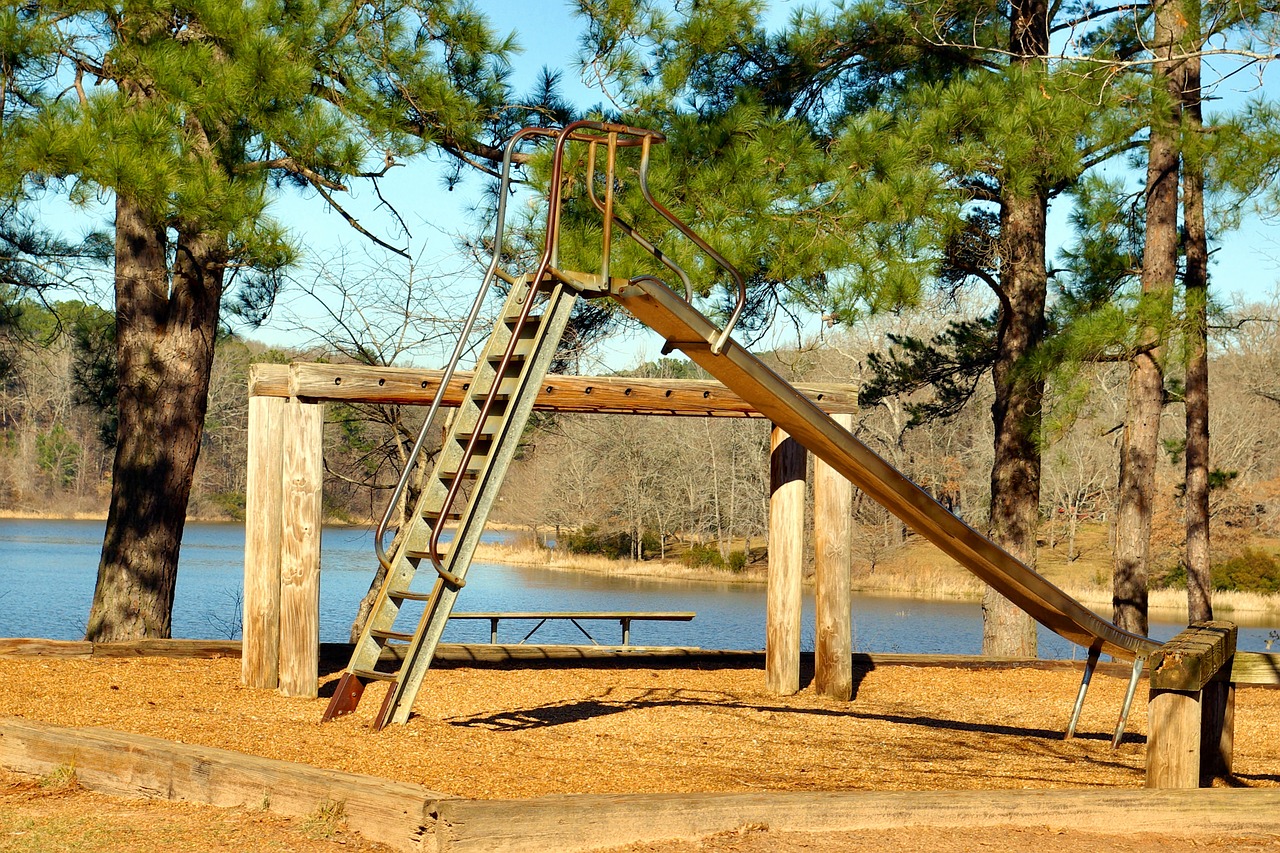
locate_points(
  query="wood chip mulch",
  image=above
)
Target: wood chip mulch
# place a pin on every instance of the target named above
(514, 733)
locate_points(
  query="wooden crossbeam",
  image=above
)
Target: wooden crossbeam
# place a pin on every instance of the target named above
(316, 383)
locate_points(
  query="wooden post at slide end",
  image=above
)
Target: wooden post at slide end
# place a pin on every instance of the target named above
(1191, 712)
(283, 518)
(787, 462)
(833, 555)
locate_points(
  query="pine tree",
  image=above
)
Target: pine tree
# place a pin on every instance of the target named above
(191, 117)
(924, 142)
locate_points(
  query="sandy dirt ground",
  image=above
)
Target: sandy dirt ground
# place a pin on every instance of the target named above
(514, 733)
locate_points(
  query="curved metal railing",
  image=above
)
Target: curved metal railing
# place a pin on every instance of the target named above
(595, 133)
(451, 366)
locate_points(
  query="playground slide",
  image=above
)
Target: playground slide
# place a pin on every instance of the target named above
(688, 330)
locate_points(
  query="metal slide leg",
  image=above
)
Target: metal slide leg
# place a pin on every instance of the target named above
(1094, 653)
(1138, 663)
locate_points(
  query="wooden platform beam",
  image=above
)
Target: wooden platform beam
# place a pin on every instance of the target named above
(583, 394)
(1190, 717)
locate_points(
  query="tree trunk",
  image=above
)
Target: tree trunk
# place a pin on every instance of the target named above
(1015, 469)
(1073, 524)
(1196, 282)
(1140, 445)
(165, 330)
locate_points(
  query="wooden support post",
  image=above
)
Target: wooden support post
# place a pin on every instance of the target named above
(1190, 717)
(1173, 740)
(786, 563)
(259, 663)
(833, 556)
(303, 474)
(1217, 730)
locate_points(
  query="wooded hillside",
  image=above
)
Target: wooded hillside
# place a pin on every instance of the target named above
(637, 485)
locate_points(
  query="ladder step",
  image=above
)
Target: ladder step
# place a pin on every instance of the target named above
(374, 675)
(408, 595)
(531, 323)
(487, 430)
(434, 515)
(390, 635)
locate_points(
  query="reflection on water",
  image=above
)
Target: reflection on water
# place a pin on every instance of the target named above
(47, 572)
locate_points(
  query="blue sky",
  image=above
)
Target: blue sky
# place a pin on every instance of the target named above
(1246, 264)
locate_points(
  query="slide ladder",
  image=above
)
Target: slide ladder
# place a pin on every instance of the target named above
(480, 444)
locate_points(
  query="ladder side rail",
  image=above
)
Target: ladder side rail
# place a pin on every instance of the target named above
(459, 348)
(549, 257)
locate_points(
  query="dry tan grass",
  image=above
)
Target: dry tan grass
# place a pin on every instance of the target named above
(917, 570)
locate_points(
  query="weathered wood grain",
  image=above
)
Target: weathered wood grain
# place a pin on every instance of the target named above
(584, 822)
(1217, 730)
(833, 597)
(1194, 657)
(169, 649)
(260, 663)
(130, 765)
(412, 818)
(302, 515)
(786, 564)
(602, 394)
(268, 380)
(1255, 668)
(1173, 739)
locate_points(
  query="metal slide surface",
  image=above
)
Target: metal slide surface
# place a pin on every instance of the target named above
(685, 328)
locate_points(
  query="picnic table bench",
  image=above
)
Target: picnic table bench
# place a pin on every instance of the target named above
(624, 618)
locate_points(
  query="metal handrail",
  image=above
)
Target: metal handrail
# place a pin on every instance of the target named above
(549, 257)
(615, 136)
(688, 232)
(631, 232)
(459, 348)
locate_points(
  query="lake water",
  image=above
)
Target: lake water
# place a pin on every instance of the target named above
(48, 568)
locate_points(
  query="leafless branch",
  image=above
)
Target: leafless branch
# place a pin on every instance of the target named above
(355, 223)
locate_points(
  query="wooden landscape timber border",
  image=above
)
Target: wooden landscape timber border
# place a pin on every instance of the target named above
(283, 512)
(410, 817)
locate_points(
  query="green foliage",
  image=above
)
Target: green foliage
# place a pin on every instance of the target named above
(93, 336)
(703, 555)
(200, 114)
(231, 504)
(57, 454)
(615, 545)
(1253, 570)
(951, 364)
(707, 556)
